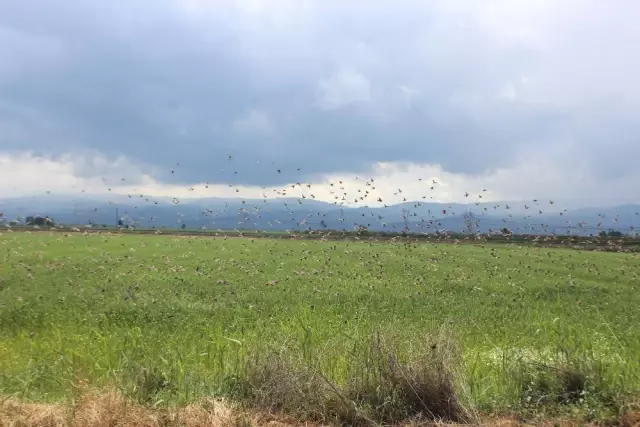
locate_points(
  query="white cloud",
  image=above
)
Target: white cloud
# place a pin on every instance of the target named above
(533, 177)
(25, 173)
(254, 123)
(408, 94)
(509, 92)
(344, 88)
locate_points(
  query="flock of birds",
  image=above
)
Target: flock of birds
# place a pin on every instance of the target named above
(277, 211)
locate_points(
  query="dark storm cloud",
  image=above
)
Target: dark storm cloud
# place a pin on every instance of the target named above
(317, 88)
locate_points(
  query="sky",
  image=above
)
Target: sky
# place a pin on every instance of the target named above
(197, 98)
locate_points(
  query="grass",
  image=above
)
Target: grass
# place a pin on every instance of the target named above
(326, 330)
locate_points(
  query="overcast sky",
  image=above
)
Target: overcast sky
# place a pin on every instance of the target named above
(524, 98)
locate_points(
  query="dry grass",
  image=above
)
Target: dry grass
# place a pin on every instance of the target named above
(17, 414)
(112, 410)
(382, 390)
(425, 387)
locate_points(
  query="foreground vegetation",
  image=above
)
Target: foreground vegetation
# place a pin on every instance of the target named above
(348, 331)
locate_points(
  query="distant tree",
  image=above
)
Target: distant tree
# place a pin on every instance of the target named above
(120, 223)
(39, 221)
(323, 224)
(506, 232)
(183, 226)
(611, 233)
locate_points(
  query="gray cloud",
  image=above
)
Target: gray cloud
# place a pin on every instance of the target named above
(320, 86)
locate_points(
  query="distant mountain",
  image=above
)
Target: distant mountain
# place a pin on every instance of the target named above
(303, 214)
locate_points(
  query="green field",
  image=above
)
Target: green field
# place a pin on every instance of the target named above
(168, 320)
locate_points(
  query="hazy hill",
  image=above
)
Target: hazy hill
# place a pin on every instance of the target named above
(299, 214)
